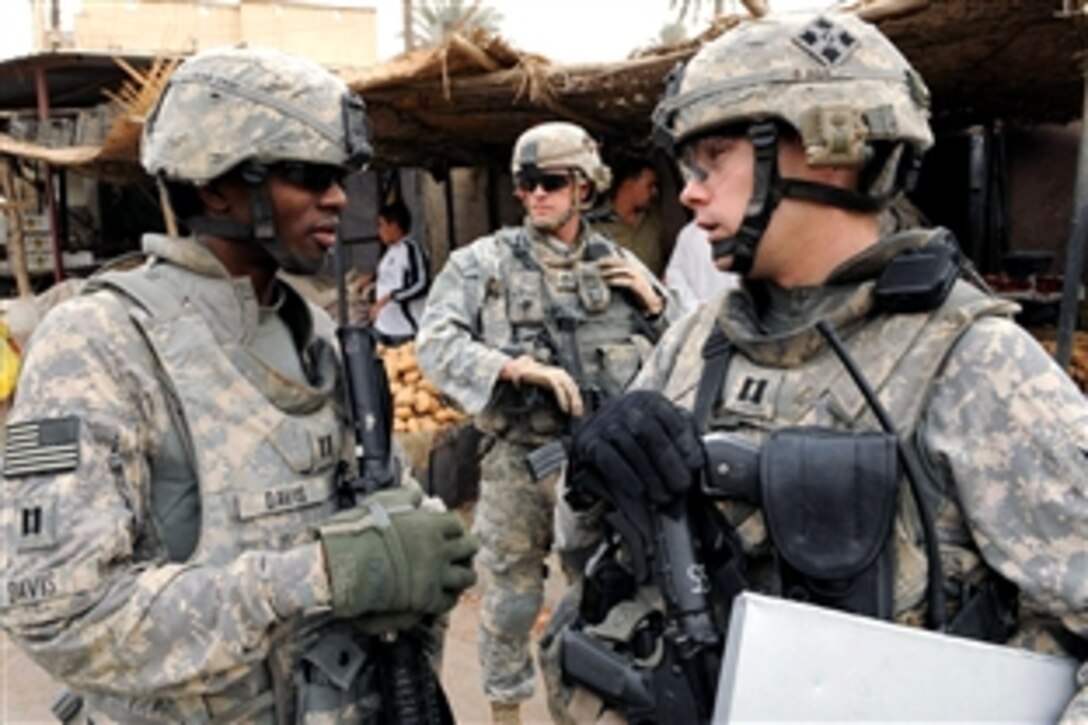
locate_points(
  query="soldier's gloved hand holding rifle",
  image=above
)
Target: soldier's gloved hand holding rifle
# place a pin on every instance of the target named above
(524, 369)
(643, 445)
(641, 455)
(388, 556)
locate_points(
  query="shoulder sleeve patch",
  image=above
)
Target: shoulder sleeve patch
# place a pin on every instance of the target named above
(41, 446)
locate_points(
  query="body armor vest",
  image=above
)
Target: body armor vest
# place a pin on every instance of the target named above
(264, 450)
(560, 311)
(900, 356)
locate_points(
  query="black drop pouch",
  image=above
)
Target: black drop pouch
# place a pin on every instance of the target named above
(829, 500)
(917, 280)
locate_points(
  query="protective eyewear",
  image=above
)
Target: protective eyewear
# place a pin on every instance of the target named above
(696, 158)
(691, 171)
(309, 176)
(548, 182)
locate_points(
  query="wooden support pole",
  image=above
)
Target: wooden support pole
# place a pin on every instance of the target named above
(16, 245)
(42, 90)
(1074, 253)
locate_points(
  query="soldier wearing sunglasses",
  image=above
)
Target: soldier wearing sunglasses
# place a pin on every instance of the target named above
(527, 329)
(175, 554)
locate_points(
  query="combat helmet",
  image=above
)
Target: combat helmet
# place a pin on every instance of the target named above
(223, 107)
(245, 110)
(561, 144)
(835, 80)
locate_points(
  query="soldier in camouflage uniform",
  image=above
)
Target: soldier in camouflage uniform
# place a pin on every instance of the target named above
(524, 329)
(792, 132)
(171, 546)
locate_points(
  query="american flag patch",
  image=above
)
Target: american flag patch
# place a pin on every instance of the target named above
(41, 446)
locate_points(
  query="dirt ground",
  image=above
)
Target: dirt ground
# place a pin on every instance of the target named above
(26, 691)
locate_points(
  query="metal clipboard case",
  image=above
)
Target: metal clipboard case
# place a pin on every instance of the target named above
(786, 661)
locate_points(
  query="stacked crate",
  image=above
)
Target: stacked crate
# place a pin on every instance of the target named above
(38, 243)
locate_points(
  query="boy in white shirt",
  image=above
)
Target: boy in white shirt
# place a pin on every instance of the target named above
(403, 278)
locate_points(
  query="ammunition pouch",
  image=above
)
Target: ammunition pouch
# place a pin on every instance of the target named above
(829, 499)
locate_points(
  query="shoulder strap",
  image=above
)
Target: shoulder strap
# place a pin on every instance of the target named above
(154, 300)
(150, 293)
(717, 352)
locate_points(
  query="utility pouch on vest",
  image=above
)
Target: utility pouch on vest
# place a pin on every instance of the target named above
(525, 298)
(593, 291)
(619, 363)
(335, 681)
(829, 499)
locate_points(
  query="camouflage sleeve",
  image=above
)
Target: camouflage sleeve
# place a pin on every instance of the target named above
(85, 589)
(451, 352)
(1012, 432)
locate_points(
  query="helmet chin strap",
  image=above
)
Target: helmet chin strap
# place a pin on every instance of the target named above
(766, 194)
(261, 228)
(264, 233)
(768, 191)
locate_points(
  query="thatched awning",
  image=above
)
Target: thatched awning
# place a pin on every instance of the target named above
(117, 159)
(466, 102)
(1014, 59)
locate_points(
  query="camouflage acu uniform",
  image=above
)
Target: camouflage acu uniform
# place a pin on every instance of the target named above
(1002, 430)
(493, 301)
(167, 457)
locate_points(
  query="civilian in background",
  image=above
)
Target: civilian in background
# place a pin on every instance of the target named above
(631, 217)
(403, 278)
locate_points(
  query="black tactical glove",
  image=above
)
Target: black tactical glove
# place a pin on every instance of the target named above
(641, 445)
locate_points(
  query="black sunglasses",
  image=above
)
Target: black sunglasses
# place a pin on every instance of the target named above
(309, 176)
(549, 182)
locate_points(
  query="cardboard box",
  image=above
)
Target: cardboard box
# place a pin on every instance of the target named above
(786, 661)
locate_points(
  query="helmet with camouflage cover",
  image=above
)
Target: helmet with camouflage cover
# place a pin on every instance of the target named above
(223, 107)
(835, 81)
(245, 111)
(558, 144)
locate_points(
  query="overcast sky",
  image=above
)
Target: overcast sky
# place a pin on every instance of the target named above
(570, 31)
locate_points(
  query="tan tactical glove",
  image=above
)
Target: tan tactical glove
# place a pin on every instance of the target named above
(618, 272)
(525, 369)
(388, 555)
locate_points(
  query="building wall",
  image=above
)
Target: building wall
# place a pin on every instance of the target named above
(1043, 175)
(334, 36)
